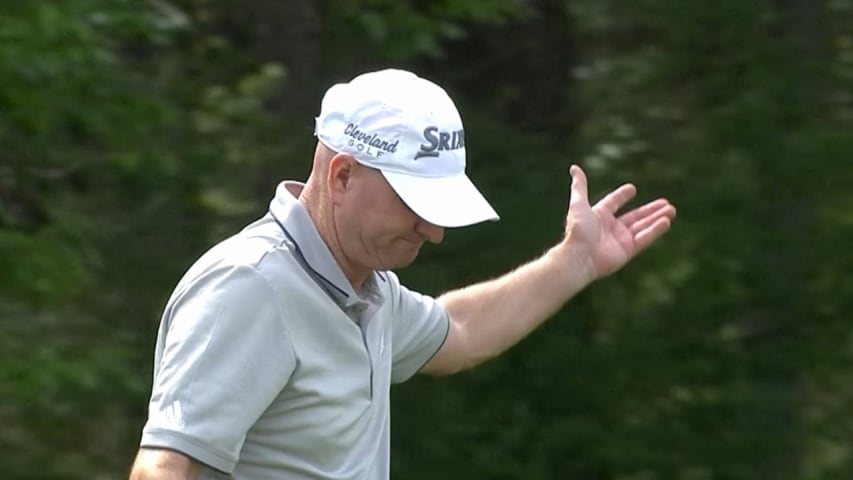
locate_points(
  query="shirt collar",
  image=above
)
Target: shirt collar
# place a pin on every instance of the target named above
(300, 229)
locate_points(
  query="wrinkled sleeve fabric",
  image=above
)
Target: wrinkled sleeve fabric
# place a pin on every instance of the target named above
(222, 357)
(419, 328)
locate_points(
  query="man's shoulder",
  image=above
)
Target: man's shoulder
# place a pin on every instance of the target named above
(257, 247)
(250, 248)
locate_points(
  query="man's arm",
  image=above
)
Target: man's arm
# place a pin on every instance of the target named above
(489, 317)
(162, 464)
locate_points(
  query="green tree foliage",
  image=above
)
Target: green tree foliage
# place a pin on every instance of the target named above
(134, 134)
(739, 107)
(113, 151)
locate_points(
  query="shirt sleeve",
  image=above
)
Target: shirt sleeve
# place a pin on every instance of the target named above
(419, 329)
(222, 356)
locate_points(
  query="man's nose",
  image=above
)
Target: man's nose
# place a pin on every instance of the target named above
(433, 233)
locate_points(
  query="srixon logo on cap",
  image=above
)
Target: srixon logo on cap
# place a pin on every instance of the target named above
(437, 141)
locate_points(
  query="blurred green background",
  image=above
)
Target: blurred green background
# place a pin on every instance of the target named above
(136, 133)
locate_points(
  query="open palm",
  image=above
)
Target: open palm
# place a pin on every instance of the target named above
(611, 241)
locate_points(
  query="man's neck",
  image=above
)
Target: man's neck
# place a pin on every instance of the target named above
(321, 211)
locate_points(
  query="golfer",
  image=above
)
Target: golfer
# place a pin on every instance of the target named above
(277, 349)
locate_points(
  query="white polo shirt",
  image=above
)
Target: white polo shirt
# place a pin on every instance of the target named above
(268, 364)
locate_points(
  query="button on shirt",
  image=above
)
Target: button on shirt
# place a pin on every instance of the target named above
(269, 365)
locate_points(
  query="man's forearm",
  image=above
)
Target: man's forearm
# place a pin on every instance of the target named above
(489, 317)
(154, 473)
(161, 464)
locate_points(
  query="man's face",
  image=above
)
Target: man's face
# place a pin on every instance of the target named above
(375, 229)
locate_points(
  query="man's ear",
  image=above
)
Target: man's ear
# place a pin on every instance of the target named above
(341, 170)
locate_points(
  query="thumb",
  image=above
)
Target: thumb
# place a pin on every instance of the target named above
(579, 194)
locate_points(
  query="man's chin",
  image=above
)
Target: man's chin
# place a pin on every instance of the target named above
(401, 260)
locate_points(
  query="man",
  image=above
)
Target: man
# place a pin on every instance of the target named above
(277, 349)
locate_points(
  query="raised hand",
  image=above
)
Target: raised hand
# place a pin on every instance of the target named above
(610, 241)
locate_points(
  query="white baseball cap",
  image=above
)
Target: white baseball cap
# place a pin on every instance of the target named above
(409, 129)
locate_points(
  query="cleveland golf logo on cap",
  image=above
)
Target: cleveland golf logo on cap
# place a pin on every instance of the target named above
(366, 142)
(438, 141)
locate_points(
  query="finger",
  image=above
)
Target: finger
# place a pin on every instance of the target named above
(664, 211)
(616, 199)
(632, 216)
(647, 236)
(579, 193)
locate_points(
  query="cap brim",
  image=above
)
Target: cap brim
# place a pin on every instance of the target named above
(444, 201)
